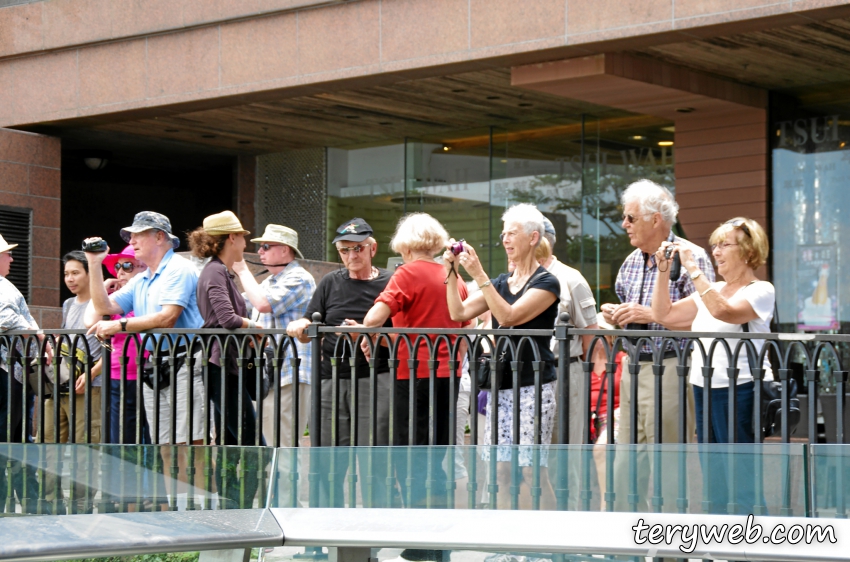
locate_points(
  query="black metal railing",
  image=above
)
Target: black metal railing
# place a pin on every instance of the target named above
(789, 353)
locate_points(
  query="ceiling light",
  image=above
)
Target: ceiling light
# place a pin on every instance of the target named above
(665, 143)
(446, 148)
(95, 163)
(637, 137)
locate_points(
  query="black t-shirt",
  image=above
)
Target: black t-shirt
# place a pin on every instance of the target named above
(338, 297)
(541, 279)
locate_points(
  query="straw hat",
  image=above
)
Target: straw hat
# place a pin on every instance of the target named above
(223, 223)
(277, 234)
(5, 246)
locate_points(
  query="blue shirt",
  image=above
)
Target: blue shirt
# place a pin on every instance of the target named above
(174, 282)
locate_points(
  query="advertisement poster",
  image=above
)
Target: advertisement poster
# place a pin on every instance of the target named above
(817, 287)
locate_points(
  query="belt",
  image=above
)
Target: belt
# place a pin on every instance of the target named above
(649, 357)
(575, 358)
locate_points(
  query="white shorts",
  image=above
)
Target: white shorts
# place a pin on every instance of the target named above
(165, 406)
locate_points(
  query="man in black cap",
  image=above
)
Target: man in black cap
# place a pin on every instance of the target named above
(349, 293)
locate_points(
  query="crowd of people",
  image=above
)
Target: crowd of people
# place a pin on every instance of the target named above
(154, 287)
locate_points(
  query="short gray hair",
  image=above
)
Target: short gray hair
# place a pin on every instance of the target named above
(526, 215)
(652, 198)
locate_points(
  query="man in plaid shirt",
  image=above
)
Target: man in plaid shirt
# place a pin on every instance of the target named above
(649, 212)
(281, 298)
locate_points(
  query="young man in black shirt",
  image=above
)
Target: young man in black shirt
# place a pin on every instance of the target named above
(349, 293)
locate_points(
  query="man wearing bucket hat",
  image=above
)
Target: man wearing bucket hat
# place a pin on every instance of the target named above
(281, 298)
(14, 315)
(163, 296)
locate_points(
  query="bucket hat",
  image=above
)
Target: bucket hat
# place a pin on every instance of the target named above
(110, 260)
(147, 220)
(278, 234)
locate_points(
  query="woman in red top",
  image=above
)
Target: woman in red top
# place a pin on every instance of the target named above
(416, 297)
(600, 421)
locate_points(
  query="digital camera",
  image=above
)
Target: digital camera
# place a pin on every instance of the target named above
(457, 247)
(95, 246)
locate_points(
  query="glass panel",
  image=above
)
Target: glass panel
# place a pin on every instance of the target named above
(366, 182)
(831, 476)
(448, 177)
(762, 479)
(62, 478)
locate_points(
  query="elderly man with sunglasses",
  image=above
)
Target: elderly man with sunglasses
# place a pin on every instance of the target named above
(273, 304)
(348, 294)
(649, 212)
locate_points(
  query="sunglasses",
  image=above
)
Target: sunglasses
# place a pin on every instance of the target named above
(126, 266)
(356, 249)
(267, 247)
(739, 223)
(631, 218)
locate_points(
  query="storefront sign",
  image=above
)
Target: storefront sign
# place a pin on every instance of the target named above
(797, 132)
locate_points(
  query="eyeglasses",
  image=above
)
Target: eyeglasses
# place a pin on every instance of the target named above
(722, 246)
(126, 266)
(266, 247)
(356, 249)
(740, 223)
(631, 218)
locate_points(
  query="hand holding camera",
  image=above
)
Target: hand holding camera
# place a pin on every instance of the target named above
(95, 248)
(670, 251)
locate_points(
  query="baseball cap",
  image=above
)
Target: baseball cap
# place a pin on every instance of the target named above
(355, 230)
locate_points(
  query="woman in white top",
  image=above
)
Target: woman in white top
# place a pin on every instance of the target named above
(739, 247)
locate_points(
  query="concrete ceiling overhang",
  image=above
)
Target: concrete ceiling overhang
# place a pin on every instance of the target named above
(638, 84)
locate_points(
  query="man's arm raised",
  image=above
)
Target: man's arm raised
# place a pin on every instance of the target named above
(103, 305)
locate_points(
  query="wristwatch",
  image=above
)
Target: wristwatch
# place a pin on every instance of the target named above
(695, 275)
(123, 323)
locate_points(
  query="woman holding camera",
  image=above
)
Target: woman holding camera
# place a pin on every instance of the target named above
(527, 298)
(739, 247)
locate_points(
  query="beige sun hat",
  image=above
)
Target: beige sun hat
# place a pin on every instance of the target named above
(278, 234)
(223, 223)
(5, 246)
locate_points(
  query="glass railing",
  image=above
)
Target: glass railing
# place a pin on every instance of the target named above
(768, 479)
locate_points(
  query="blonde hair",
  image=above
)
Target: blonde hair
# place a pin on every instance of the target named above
(419, 232)
(543, 251)
(753, 246)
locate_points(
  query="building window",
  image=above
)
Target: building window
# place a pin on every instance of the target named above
(16, 228)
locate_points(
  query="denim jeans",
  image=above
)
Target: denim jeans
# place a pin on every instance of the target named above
(735, 466)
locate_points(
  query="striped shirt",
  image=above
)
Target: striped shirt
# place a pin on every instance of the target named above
(288, 293)
(636, 281)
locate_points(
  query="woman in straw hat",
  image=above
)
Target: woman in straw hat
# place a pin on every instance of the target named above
(222, 239)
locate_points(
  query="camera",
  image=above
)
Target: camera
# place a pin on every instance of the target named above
(457, 247)
(95, 246)
(668, 252)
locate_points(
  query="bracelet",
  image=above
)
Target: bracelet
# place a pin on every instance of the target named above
(702, 294)
(487, 284)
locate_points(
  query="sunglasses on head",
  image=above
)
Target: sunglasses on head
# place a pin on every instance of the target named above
(126, 266)
(740, 223)
(356, 249)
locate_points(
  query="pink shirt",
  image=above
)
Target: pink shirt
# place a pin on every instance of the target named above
(118, 350)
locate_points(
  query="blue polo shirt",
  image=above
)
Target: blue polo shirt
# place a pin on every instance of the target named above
(174, 282)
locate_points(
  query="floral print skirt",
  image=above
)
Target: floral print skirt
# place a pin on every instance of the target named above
(526, 424)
